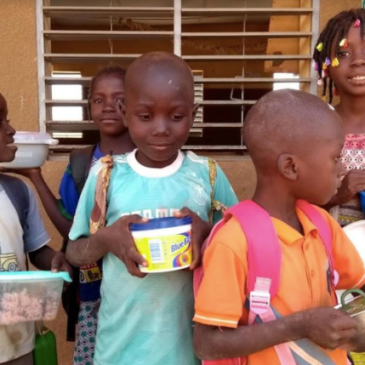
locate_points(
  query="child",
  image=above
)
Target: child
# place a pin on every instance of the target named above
(149, 320)
(301, 160)
(339, 58)
(105, 99)
(22, 233)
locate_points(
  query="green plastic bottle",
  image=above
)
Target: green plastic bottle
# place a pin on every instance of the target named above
(45, 349)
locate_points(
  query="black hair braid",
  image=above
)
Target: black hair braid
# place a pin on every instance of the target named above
(335, 31)
(330, 86)
(324, 87)
(114, 70)
(325, 39)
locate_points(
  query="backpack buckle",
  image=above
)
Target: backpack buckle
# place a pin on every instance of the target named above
(260, 296)
(259, 301)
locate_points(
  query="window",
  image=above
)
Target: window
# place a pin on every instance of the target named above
(238, 51)
(293, 84)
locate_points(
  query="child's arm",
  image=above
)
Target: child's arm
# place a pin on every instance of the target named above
(116, 239)
(84, 249)
(351, 185)
(48, 259)
(36, 239)
(327, 327)
(49, 201)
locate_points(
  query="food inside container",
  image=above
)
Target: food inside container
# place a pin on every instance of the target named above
(28, 296)
(355, 307)
(32, 150)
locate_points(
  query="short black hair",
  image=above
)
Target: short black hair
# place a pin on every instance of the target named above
(284, 121)
(160, 62)
(107, 71)
(335, 30)
(114, 70)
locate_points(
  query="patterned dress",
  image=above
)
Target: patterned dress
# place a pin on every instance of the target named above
(353, 157)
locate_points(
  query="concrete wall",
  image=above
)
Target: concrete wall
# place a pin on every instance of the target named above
(18, 82)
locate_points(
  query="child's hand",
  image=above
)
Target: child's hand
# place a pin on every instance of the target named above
(200, 231)
(328, 327)
(59, 263)
(29, 173)
(118, 240)
(353, 183)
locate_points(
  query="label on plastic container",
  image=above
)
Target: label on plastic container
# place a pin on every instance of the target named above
(165, 253)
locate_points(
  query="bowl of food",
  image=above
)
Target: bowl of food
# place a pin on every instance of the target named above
(29, 296)
(32, 150)
(353, 303)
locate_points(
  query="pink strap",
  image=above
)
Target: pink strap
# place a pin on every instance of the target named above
(260, 306)
(259, 299)
(283, 350)
(264, 252)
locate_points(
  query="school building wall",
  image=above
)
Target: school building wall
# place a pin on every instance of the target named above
(18, 83)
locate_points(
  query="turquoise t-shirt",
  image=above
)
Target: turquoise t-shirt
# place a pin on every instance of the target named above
(148, 321)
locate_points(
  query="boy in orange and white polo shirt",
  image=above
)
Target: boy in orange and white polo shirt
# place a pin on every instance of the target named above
(298, 159)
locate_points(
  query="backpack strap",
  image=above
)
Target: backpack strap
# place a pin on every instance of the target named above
(80, 163)
(264, 252)
(215, 204)
(18, 194)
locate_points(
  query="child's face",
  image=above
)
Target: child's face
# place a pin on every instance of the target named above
(7, 153)
(159, 114)
(349, 76)
(320, 170)
(105, 105)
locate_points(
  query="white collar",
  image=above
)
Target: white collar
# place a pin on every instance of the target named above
(154, 172)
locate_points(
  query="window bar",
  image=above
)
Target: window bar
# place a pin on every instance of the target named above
(315, 32)
(177, 27)
(41, 66)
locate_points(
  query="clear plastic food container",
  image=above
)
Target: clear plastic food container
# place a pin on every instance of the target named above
(32, 150)
(28, 296)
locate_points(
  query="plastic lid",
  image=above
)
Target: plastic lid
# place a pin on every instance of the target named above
(34, 275)
(34, 138)
(160, 223)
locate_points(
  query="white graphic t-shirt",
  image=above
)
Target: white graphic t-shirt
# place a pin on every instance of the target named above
(15, 242)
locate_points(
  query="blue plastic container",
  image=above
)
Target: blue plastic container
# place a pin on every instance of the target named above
(362, 200)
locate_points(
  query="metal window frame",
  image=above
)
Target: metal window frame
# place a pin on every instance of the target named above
(45, 35)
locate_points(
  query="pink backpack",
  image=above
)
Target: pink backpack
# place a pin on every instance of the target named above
(264, 263)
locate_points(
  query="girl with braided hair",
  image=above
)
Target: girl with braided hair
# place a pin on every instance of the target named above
(339, 58)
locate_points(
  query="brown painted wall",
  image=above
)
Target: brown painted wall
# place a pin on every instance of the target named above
(18, 82)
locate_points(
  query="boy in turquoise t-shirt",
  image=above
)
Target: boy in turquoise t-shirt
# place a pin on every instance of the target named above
(148, 320)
